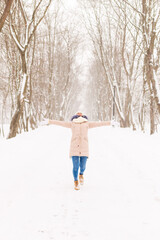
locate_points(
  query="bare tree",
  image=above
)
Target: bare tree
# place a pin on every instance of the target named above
(125, 42)
(5, 13)
(54, 69)
(148, 13)
(119, 57)
(22, 40)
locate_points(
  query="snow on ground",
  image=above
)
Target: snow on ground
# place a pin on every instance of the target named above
(120, 198)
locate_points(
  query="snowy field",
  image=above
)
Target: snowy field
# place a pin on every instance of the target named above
(120, 199)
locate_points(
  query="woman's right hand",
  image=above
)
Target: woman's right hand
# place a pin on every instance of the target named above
(44, 122)
(115, 124)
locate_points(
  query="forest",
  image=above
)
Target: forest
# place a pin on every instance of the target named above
(101, 56)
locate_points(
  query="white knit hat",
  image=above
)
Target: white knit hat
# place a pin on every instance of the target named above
(78, 112)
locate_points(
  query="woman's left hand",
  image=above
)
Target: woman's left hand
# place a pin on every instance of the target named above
(44, 122)
(115, 124)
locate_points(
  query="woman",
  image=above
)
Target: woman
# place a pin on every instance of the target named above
(79, 142)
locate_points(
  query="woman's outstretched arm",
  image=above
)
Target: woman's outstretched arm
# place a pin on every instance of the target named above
(99, 124)
(60, 123)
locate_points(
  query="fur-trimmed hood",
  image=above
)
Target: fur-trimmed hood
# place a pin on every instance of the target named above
(80, 120)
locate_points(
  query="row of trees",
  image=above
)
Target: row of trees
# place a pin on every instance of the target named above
(125, 38)
(39, 47)
(42, 75)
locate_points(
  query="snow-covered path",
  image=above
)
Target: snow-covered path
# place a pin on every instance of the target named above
(120, 198)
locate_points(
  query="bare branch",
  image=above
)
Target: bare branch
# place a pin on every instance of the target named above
(34, 13)
(23, 12)
(5, 13)
(135, 9)
(33, 31)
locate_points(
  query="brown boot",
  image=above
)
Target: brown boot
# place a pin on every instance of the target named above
(76, 185)
(81, 179)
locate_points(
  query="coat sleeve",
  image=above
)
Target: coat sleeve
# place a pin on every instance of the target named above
(99, 124)
(60, 123)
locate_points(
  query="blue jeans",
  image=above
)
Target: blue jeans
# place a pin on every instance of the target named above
(78, 162)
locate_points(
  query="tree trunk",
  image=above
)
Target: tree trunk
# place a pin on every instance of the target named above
(152, 115)
(14, 125)
(5, 13)
(15, 122)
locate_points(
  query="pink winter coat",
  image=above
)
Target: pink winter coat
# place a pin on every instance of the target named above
(79, 140)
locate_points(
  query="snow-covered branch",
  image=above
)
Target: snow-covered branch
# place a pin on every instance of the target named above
(15, 37)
